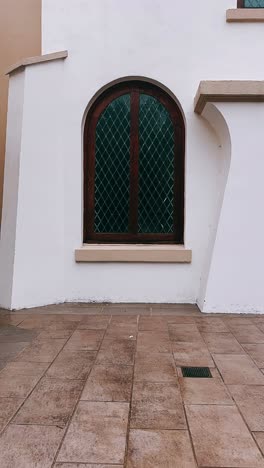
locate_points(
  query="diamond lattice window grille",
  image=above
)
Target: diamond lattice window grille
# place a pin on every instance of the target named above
(112, 167)
(156, 167)
(253, 3)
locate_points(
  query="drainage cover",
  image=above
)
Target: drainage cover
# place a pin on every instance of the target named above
(198, 372)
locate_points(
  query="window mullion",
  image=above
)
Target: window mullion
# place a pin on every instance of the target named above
(134, 156)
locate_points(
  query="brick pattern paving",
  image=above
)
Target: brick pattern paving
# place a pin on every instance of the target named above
(101, 386)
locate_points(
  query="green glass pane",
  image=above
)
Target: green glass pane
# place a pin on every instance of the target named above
(254, 3)
(112, 167)
(156, 167)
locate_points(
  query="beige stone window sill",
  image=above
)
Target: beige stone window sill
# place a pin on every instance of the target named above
(245, 15)
(133, 253)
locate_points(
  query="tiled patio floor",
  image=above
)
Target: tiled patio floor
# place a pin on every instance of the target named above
(101, 386)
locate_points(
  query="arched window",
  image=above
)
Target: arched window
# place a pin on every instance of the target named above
(134, 167)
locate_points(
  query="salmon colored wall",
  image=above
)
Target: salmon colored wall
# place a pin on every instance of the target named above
(20, 36)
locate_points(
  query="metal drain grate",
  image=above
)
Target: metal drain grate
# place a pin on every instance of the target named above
(196, 372)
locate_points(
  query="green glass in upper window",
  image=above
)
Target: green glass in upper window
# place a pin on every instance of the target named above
(156, 167)
(254, 3)
(112, 159)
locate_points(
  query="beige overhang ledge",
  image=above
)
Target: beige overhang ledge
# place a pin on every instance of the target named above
(133, 253)
(35, 60)
(228, 91)
(245, 15)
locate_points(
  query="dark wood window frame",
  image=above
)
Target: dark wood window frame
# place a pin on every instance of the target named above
(135, 88)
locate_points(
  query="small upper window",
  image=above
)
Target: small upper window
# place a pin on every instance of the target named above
(250, 3)
(134, 166)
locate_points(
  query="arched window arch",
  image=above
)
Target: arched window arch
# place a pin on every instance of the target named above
(134, 144)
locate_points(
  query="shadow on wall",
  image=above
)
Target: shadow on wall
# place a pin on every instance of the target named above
(216, 120)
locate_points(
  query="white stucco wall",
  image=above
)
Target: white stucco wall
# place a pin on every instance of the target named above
(178, 43)
(11, 182)
(235, 277)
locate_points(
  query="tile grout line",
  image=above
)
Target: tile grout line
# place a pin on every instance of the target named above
(39, 380)
(226, 386)
(128, 428)
(131, 399)
(183, 405)
(255, 440)
(245, 352)
(78, 400)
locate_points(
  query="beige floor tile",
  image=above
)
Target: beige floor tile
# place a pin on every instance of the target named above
(123, 327)
(97, 434)
(154, 368)
(71, 317)
(127, 312)
(256, 352)
(12, 319)
(26, 368)
(248, 334)
(11, 334)
(222, 343)
(184, 332)
(94, 322)
(84, 465)
(180, 319)
(81, 309)
(234, 321)
(192, 354)
(17, 380)
(128, 332)
(221, 438)
(12, 386)
(124, 320)
(49, 333)
(158, 324)
(174, 313)
(85, 340)
(51, 403)
(58, 330)
(157, 406)
(260, 324)
(41, 351)
(117, 310)
(38, 321)
(109, 383)
(159, 449)
(9, 351)
(73, 365)
(238, 369)
(138, 305)
(211, 325)
(250, 400)
(259, 437)
(2, 364)
(204, 391)
(176, 309)
(153, 342)
(29, 446)
(8, 408)
(115, 351)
